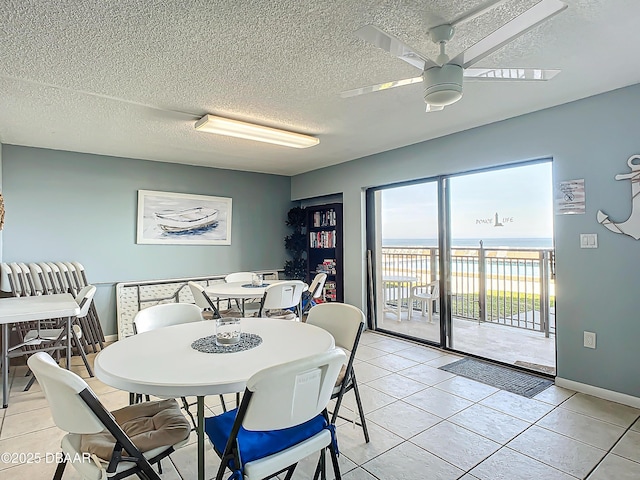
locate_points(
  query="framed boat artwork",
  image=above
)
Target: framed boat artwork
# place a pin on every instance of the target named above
(180, 218)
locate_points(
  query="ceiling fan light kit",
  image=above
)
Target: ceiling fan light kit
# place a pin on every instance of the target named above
(442, 85)
(443, 77)
(252, 131)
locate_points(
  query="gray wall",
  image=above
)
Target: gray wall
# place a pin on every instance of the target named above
(73, 206)
(590, 139)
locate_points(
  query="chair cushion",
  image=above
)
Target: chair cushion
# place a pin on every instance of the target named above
(149, 425)
(257, 444)
(281, 314)
(340, 379)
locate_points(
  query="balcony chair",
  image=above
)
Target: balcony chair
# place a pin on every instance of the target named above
(208, 306)
(281, 420)
(282, 300)
(426, 295)
(346, 323)
(102, 444)
(166, 315)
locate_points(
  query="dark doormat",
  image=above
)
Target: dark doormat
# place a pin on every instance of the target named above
(498, 376)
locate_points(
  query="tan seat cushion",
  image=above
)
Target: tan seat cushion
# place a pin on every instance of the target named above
(281, 314)
(343, 372)
(231, 312)
(149, 425)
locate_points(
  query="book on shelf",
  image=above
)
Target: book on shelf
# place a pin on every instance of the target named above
(323, 239)
(330, 292)
(325, 218)
(327, 266)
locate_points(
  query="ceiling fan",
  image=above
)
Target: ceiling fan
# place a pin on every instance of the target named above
(443, 77)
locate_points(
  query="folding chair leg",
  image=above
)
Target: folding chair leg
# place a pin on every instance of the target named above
(82, 352)
(360, 409)
(30, 383)
(334, 461)
(60, 469)
(321, 467)
(290, 471)
(185, 405)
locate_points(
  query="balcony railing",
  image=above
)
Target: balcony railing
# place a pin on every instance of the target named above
(507, 286)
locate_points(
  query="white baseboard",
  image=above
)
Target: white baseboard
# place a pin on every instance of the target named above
(111, 338)
(599, 392)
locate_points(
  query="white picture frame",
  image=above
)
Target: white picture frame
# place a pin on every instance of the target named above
(183, 219)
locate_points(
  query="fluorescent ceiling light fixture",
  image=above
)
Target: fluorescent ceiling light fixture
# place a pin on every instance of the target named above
(250, 131)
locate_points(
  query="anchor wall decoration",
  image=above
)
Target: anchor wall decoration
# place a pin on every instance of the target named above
(631, 226)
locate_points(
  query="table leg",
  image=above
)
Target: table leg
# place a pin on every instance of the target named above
(5, 364)
(69, 343)
(200, 437)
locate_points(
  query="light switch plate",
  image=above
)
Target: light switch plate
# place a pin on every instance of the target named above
(590, 339)
(588, 240)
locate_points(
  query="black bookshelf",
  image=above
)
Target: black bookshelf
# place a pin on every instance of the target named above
(324, 248)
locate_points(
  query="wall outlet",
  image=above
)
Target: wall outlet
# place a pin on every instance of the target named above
(589, 339)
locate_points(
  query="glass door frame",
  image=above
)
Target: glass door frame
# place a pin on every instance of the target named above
(375, 303)
(444, 257)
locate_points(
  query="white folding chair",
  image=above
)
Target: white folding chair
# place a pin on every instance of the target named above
(282, 300)
(205, 302)
(249, 304)
(281, 420)
(102, 444)
(166, 315)
(345, 323)
(313, 296)
(53, 338)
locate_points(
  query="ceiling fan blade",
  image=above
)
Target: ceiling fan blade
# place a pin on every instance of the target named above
(395, 47)
(509, 74)
(509, 31)
(434, 108)
(468, 16)
(381, 86)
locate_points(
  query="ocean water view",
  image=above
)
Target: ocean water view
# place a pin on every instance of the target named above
(471, 242)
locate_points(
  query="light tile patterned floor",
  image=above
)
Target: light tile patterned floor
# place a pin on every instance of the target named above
(423, 422)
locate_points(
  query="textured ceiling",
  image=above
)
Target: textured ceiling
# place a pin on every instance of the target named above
(129, 78)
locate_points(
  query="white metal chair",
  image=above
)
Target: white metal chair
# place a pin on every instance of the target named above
(345, 323)
(314, 295)
(205, 302)
(52, 338)
(281, 420)
(239, 277)
(102, 444)
(280, 297)
(166, 315)
(426, 295)
(249, 304)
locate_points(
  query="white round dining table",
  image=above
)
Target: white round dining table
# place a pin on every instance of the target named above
(238, 289)
(162, 362)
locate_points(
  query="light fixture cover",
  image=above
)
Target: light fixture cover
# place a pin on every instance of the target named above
(442, 85)
(250, 131)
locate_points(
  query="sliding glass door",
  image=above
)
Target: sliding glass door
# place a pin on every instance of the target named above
(501, 290)
(406, 259)
(465, 261)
